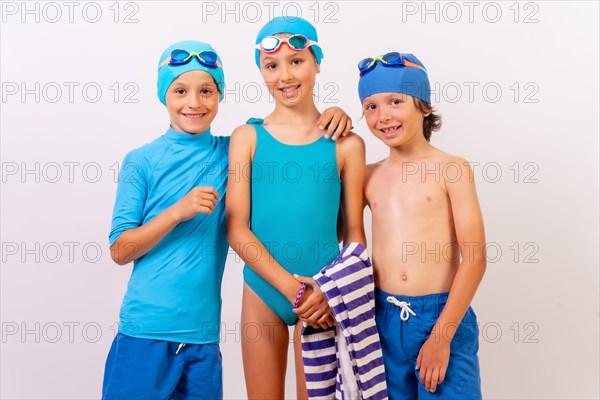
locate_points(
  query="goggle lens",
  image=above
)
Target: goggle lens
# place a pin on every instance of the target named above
(270, 43)
(364, 64)
(298, 42)
(393, 58)
(209, 57)
(179, 56)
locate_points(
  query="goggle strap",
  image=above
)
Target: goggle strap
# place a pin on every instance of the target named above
(417, 66)
(167, 61)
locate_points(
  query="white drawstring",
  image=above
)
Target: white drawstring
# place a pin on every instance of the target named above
(403, 305)
(179, 348)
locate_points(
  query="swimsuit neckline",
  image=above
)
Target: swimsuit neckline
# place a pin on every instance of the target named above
(322, 137)
(259, 122)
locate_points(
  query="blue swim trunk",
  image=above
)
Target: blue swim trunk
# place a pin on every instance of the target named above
(402, 334)
(154, 369)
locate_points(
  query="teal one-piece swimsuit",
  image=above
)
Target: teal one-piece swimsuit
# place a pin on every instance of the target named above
(294, 208)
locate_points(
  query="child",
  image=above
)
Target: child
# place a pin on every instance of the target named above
(168, 211)
(428, 238)
(169, 218)
(291, 202)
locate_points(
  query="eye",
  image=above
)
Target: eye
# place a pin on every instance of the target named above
(370, 107)
(396, 102)
(207, 92)
(297, 61)
(271, 66)
(180, 91)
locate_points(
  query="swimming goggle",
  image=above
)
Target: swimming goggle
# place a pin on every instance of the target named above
(180, 57)
(393, 59)
(271, 44)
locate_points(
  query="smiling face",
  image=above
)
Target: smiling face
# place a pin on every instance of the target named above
(393, 118)
(290, 75)
(192, 101)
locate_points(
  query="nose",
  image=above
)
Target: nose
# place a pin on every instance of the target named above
(286, 73)
(384, 114)
(195, 100)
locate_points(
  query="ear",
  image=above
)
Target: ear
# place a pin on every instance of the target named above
(318, 67)
(427, 114)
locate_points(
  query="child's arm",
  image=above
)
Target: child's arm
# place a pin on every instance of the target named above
(237, 215)
(134, 243)
(352, 150)
(433, 357)
(334, 119)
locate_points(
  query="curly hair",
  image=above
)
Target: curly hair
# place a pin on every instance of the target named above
(432, 122)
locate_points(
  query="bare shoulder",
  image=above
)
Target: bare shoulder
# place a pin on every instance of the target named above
(243, 135)
(460, 163)
(243, 131)
(437, 155)
(447, 161)
(454, 170)
(351, 143)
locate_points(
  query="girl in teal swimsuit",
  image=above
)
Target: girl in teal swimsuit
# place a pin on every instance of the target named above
(286, 185)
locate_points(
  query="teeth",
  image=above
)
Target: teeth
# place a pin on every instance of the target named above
(390, 130)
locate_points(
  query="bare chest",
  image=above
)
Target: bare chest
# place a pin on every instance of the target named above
(393, 195)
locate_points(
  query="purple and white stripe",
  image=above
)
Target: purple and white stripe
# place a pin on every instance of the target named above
(349, 287)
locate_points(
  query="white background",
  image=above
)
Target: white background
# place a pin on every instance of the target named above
(538, 306)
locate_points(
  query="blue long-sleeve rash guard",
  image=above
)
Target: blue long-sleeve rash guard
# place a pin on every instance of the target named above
(174, 292)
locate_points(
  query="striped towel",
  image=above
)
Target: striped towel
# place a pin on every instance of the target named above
(345, 361)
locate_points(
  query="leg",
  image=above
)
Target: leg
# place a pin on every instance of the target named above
(265, 341)
(301, 392)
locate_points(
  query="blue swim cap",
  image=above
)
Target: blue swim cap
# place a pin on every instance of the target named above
(293, 25)
(167, 73)
(399, 79)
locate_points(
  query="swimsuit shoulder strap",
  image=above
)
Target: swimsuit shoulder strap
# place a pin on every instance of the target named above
(261, 132)
(255, 121)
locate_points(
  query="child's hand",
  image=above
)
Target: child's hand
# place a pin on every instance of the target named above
(201, 199)
(432, 362)
(334, 119)
(328, 319)
(313, 307)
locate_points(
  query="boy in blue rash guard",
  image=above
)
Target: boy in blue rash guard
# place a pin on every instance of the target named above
(428, 243)
(169, 218)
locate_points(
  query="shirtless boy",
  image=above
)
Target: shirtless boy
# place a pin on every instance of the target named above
(428, 239)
